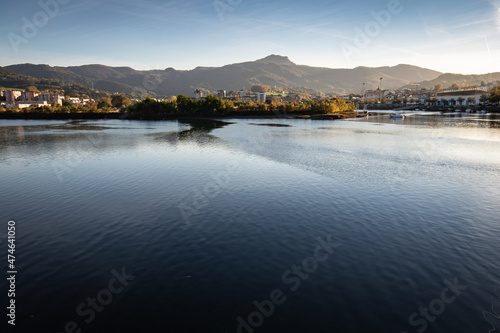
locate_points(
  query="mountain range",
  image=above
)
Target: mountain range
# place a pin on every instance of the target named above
(273, 70)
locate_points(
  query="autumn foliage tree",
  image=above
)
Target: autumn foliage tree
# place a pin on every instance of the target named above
(260, 88)
(104, 103)
(119, 101)
(494, 96)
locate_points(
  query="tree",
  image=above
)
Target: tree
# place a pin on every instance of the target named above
(434, 100)
(185, 104)
(455, 86)
(66, 102)
(438, 87)
(495, 95)
(104, 103)
(212, 105)
(119, 101)
(32, 89)
(260, 88)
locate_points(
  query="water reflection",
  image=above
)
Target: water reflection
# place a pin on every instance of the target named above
(198, 132)
(412, 205)
(76, 125)
(437, 119)
(270, 124)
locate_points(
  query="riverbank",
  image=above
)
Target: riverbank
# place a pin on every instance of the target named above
(128, 116)
(435, 108)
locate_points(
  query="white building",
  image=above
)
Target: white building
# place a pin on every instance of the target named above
(462, 96)
(74, 100)
(198, 94)
(58, 99)
(221, 94)
(261, 97)
(24, 105)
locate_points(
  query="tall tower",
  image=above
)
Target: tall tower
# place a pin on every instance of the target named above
(381, 94)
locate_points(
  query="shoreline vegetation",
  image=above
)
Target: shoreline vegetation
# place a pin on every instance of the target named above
(181, 107)
(186, 107)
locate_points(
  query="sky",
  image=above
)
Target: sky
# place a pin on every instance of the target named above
(448, 36)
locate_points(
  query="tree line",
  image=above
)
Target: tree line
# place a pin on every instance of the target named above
(215, 106)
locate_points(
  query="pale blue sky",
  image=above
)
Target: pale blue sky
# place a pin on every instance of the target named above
(449, 36)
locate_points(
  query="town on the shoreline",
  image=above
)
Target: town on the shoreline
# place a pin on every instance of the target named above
(455, 95)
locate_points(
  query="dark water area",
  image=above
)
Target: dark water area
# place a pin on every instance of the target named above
(272, 225)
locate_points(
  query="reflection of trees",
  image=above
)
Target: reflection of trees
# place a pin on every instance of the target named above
(199, 131)
(495, 121)
(204, 125)
(77, 125)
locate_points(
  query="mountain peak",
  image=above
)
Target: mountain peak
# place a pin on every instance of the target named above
(275, 59)
(273, 70)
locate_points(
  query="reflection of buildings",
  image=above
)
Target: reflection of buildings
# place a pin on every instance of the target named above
(20, 133)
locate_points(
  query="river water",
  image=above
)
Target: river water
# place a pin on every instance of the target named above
(254, 225)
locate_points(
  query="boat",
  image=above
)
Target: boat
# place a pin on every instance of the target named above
(397, 115)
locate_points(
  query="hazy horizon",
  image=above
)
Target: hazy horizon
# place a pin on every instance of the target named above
(449, 37)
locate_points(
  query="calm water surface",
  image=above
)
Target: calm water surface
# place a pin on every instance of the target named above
(367, 225)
